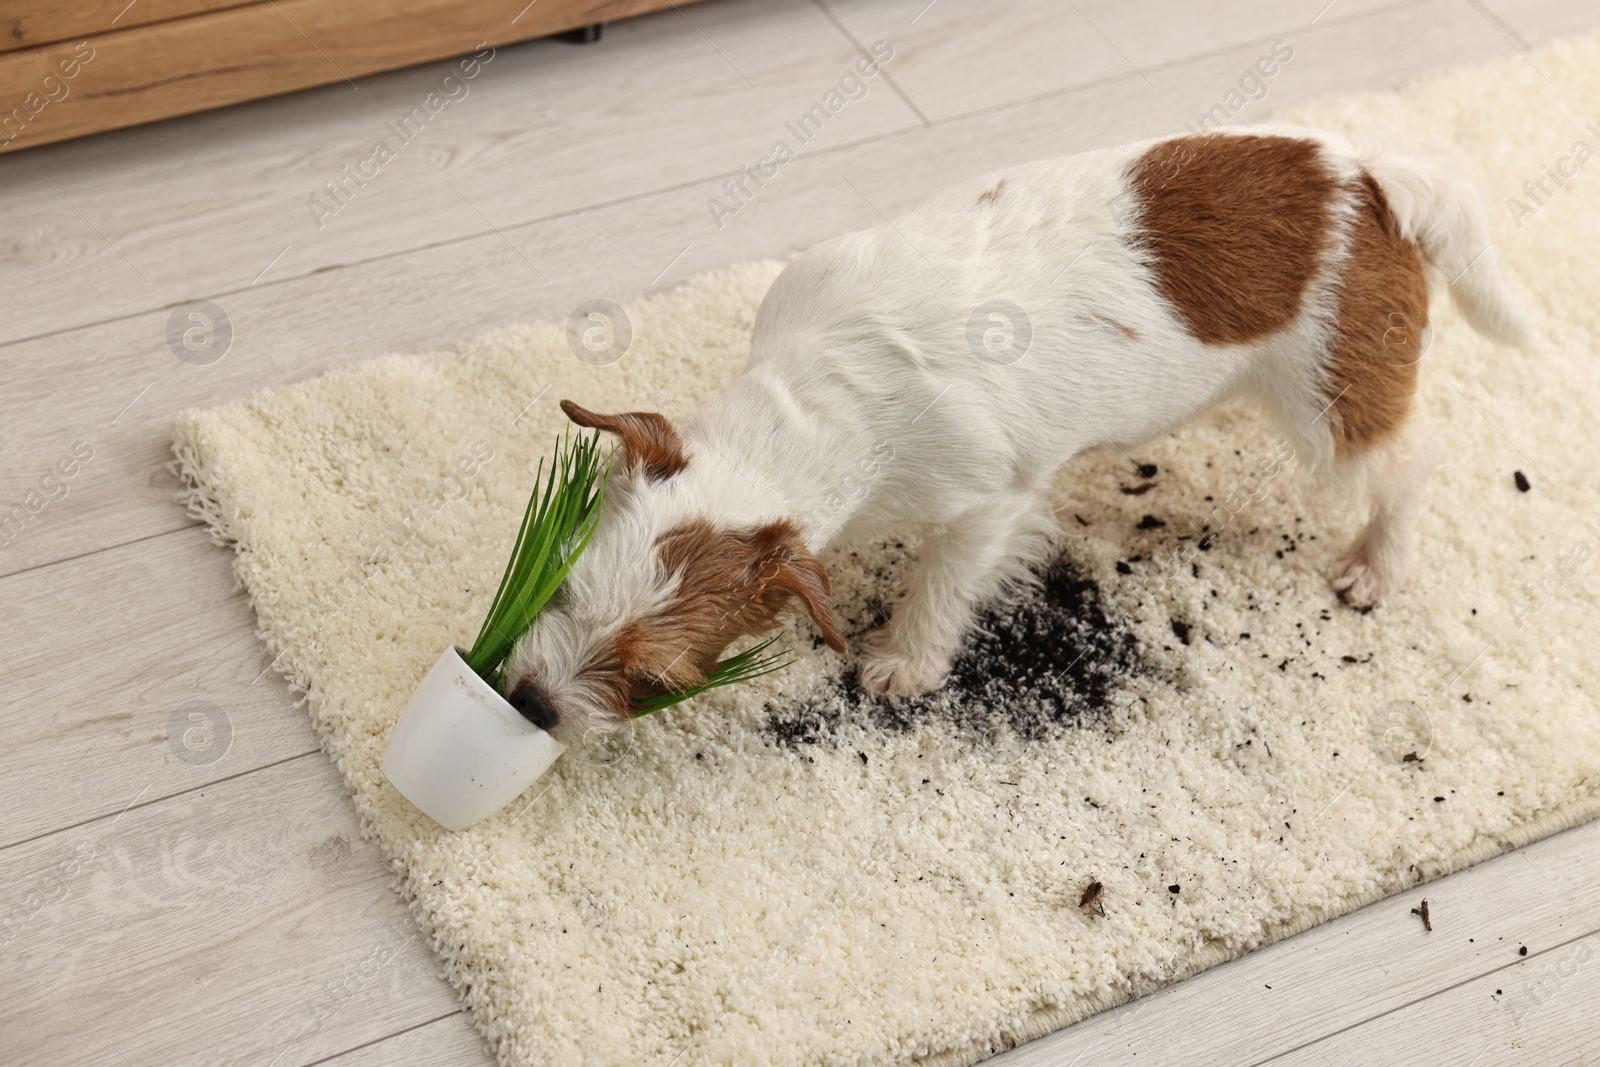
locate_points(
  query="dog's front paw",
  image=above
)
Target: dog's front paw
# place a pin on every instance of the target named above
(1361, 582)
(890, 671)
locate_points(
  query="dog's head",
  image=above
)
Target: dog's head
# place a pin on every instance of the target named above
(659, 594)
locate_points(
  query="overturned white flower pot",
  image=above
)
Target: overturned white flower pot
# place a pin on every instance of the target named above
(460, 752)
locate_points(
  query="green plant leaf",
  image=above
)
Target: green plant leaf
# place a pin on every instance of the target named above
(738, 668)
(561, 516)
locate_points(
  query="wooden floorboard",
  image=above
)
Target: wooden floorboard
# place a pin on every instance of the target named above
(1534, 1012)
(161, 905)
(245, 922)
(154, 633)
(1536, 21)
(448, 1042)
(954, 59)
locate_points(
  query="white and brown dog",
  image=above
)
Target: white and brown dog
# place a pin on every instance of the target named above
(938, 371)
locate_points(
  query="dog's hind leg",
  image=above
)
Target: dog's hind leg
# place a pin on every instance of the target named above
(964, 563)
(1371, 379)
(1389, 477)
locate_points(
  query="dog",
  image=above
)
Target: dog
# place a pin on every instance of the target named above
(940, 369)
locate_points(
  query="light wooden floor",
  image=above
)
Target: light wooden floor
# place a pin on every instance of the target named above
(206, 898)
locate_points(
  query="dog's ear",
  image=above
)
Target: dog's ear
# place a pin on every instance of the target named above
(727, 584)
(787, 566)
(649, 443)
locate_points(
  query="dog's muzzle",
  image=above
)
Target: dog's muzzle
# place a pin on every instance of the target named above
(528, 699)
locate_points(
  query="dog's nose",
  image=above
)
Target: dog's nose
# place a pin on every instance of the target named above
(528, 699)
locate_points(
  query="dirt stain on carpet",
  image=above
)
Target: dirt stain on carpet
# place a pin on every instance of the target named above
(1049, 660)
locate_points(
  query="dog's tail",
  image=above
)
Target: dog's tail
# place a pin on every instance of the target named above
(1445, 216)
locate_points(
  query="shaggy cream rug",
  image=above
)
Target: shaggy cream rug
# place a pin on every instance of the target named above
(1182, 714)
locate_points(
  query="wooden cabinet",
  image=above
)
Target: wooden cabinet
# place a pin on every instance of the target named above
(75, 67)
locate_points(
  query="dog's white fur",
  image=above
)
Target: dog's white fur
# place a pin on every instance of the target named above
(866, 404)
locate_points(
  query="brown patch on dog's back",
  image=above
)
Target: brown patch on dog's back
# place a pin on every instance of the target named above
(1235, 226)
(989, 196)
(1383, 316)
(731, 584)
